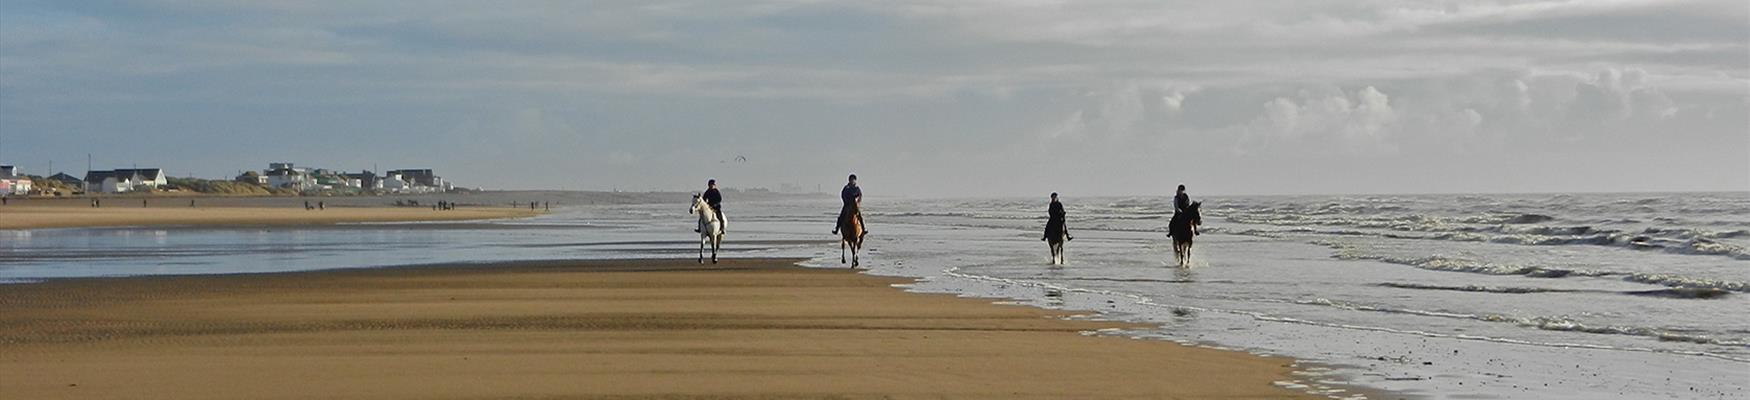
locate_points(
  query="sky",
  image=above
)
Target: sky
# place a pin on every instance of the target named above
(919, 98)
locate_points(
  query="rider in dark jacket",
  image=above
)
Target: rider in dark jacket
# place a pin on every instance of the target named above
(1054, 222)
(852, 195)
(1181, 200)
(715, 199)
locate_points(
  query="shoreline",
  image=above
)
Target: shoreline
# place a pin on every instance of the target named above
(46, 217)
(754, 328)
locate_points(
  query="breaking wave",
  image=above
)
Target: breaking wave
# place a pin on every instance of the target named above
(1675, 293)
(1669, 240)
(1547, 323)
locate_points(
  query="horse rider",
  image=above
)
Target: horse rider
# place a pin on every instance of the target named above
(1055, 223)
(852, 195)
(715, 199)
(1181, 201)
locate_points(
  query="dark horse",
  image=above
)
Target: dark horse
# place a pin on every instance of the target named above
(1182, 228)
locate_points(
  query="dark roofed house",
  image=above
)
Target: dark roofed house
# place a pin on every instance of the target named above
(67, 180)
(366, 179)
(124, 180)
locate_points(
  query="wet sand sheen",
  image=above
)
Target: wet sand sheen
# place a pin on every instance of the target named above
(597, 329)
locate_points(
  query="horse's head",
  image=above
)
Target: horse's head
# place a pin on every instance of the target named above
(697, 201)
(1196, 213)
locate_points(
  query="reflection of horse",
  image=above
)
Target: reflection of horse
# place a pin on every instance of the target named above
(851, 233)
(1182, 228)
(710, 228)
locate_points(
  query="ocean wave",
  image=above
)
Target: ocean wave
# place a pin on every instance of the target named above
(1474, 288)
(1450, 264)
(1528, 219)
(1683, 293)
(1675, 241)
(1675, 293)
(1678, 281)
(1548, 323)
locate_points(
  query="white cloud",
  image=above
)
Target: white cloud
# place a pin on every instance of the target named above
(1343, 123)
(1102, 84)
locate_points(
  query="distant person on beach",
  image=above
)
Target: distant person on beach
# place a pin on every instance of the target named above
(1054, 222)
(852, 195)
(1181, 201)
(714, 198)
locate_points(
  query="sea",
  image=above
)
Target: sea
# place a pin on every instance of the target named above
(1548, 296)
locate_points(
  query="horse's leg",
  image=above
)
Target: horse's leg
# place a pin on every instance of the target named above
(716, 245)
(702, 250)
(842, 245)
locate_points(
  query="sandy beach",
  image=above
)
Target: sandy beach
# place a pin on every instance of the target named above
(129, 213)
(608, 329)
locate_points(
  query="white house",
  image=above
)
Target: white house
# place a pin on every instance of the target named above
(12, 181)
(289, 178)
(124, 180)
(395, 183)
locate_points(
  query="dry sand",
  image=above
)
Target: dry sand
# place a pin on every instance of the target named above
(756, 329)
(121, 212)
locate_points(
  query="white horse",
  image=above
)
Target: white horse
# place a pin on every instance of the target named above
(710, 228)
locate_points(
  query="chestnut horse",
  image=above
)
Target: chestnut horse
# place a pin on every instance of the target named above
(851, 234)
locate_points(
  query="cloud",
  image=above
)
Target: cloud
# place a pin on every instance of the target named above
(1361, 122)
(984, 87)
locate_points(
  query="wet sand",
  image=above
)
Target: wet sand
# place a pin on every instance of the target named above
(166, 213)
(608, 329)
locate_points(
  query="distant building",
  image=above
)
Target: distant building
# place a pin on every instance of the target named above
(395, 183)
(12, 181)
(251, 177)
(124, 180)
(364, 180)
(420, 177)
(67, 180)
(287, 176)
